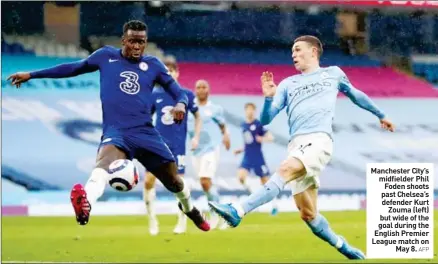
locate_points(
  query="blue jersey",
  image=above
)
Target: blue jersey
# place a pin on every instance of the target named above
(125, 91)
(310, 100)
(212, 116)
(162, 102)
(253, 149)
(125, 86)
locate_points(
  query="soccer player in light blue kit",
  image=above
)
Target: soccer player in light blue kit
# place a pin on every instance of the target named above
(205, 158)
(309, 99)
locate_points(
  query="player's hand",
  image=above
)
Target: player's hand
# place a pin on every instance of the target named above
(19, 78)
(195, 143)
(226, 141)
(259, 139)
(268, 86)
(387, 125)
(238, 151)
(178, 112)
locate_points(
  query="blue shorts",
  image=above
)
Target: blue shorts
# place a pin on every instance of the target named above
(258, 168)
(142, 143)
(179, 152)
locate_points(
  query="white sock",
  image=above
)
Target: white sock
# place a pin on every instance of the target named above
(184, 197)
(149, 199)
(274, 203)
(96, 184)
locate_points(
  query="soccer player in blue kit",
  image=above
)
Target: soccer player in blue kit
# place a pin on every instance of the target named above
(309, 99)
(127, 79)
(254, 134)
(175, 136)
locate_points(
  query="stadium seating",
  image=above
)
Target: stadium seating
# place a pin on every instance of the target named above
(40, 46)
(426, 66)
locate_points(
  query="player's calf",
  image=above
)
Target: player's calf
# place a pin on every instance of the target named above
(149, 195)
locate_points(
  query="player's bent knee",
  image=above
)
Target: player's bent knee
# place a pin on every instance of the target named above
(307, 214)
(167, 174)
(291, 169)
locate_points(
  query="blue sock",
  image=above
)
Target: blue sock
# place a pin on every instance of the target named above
(320, 227)
(212, 195)
(263, 195)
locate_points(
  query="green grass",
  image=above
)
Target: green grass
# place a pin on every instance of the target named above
(260, 238)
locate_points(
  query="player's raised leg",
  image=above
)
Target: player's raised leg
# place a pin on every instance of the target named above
(306, 202)
(149, 195)
(274, 209)
(289, 170)
(83, 198)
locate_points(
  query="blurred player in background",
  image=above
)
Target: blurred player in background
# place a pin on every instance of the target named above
(310, 99)
(254, 134)
(205, 158)
(127, 79)
(174, 135)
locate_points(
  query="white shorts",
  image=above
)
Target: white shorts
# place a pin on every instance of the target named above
(314, 151)
(206, 165)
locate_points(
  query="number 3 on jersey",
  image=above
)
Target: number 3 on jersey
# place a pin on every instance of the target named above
(167, 118)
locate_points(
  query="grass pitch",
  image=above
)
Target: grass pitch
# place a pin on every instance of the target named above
(259, 238)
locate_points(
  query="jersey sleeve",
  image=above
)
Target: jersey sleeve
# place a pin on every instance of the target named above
(358, 97)
(89, 64)
(219, 116)
(273, 105)
(192, 106)
(262, 130)
(164, 79)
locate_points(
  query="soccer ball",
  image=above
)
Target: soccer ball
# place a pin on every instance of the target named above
(123, 175)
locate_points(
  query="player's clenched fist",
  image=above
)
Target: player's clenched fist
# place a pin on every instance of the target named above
(268, 84)
(178, 112)
(19, 78)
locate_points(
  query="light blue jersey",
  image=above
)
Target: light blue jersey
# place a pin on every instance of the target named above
(212, 116)
(310, 101)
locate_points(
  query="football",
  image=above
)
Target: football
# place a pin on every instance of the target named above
(123, 175)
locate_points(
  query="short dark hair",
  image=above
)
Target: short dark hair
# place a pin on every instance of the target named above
(313, 41)
(135, 25)
(170, 63)
(250, 104)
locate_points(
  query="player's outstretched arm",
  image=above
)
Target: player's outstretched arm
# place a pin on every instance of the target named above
(360, 99)
(274, 98)
(59, 71)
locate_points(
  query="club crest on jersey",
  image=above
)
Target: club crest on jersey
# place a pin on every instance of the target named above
(143, 66)
(252, 127)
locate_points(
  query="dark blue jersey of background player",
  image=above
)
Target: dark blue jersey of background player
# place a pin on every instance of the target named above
(254, 134)
(127, 79)
(174, 134)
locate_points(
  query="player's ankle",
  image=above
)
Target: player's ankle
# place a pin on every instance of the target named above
(239, 209)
